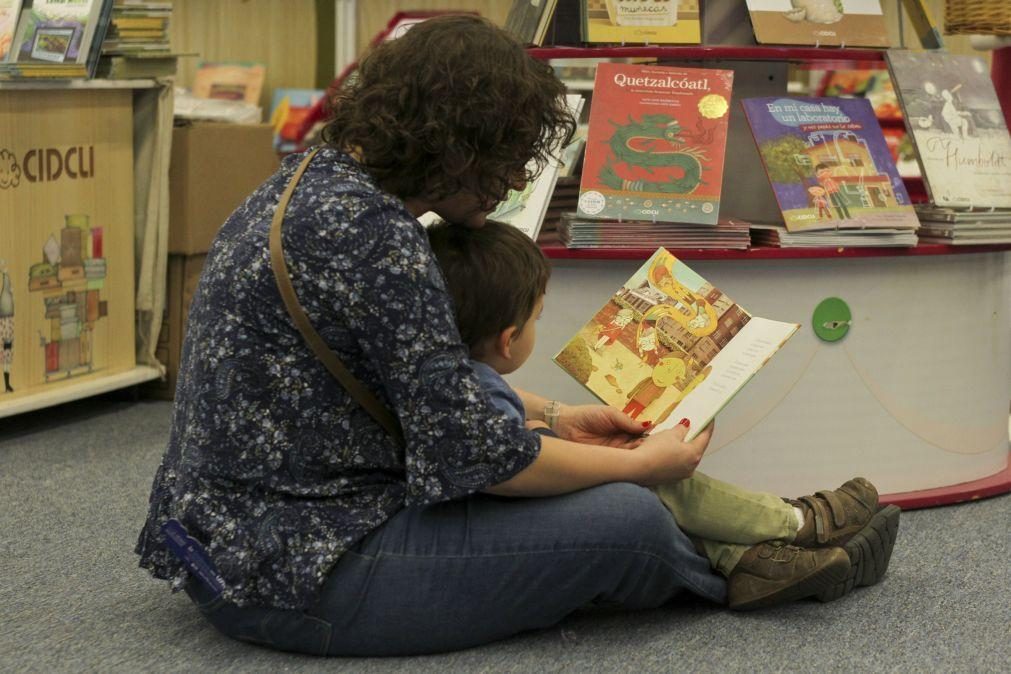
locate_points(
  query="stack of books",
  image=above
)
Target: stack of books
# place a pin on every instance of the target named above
(778, 236)
(563, 200)
(579, 232)
(137, 43)
(51, 39)
(962, 144)
(965, 227)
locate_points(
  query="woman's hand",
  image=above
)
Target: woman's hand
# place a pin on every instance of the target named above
(666, 457)
(599, 425)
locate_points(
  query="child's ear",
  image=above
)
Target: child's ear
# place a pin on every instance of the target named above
(503, 344)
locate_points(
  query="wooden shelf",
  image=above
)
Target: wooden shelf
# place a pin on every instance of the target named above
(715, 53)
(83, 389)
(557, 251)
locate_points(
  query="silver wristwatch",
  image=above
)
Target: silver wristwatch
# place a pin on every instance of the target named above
(551, 412)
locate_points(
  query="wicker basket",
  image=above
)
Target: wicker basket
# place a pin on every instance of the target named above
(977, 17)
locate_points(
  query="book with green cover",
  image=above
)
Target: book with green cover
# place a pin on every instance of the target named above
(669, 345)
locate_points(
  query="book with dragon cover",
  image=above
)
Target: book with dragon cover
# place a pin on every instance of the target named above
(655, 145)
(957, 125)
(668, 345)
(827, 23)
(828, 163)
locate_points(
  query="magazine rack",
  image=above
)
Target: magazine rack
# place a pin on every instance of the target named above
(914, 398)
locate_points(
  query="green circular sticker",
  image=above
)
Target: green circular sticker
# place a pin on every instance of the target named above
(832, 319)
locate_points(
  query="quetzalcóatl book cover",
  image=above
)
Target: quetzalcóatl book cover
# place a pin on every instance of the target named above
(828, 163)
(655, 144)
(669, 345)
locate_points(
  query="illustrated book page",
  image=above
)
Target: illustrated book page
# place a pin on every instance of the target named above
(669, 345)
(955, 120)
(828, 163)
(655, 144)
(824, 23)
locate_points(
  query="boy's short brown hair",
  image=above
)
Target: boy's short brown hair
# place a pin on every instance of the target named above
(495, 275)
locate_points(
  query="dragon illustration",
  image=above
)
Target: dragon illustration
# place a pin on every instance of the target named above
(657, 142)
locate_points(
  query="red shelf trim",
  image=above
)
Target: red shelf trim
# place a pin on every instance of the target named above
(557, 252)
(697, 52)
(987, 487)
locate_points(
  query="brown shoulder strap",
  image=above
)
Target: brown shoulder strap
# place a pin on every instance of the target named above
(357, 390)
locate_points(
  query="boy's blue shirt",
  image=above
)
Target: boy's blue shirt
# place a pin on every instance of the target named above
(499, 392)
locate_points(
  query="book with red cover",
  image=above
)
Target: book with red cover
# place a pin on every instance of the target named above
(655, 146)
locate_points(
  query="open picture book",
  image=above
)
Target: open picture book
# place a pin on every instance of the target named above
(668, 345)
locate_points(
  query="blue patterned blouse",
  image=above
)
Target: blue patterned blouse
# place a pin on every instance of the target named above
(270, 463)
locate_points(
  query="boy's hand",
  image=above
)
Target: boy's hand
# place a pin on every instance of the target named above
(599, 425)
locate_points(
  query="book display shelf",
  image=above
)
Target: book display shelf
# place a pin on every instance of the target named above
(67, 238)
(915, 396)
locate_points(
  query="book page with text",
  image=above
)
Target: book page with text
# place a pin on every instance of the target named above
(731, 369)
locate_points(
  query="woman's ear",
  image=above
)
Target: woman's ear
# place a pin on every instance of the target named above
(504, 341)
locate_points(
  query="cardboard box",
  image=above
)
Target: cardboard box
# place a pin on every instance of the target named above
(214, 168)
(183, 276)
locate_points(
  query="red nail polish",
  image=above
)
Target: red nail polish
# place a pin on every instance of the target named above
(684, 422)
(646, 424)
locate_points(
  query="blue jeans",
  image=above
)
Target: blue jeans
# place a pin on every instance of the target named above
(467, 572)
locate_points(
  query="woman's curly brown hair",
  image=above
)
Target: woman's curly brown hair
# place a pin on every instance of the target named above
(454, 105)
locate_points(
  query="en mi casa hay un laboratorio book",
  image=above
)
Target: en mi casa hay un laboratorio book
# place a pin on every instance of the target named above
(828, 163)
(655, 144)
(668, 345)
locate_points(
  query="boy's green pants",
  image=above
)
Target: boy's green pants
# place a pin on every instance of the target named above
(726, 520)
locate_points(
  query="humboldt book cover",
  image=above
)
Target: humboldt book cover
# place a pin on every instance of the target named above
(957, 125)
(828, 163)
(641, 21)
(829, 23)
(655, 144)
(57, 31)
(669, 345)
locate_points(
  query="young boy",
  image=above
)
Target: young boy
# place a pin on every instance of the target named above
(771, 550)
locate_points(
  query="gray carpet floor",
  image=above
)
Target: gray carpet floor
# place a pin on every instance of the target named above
(74, 482)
